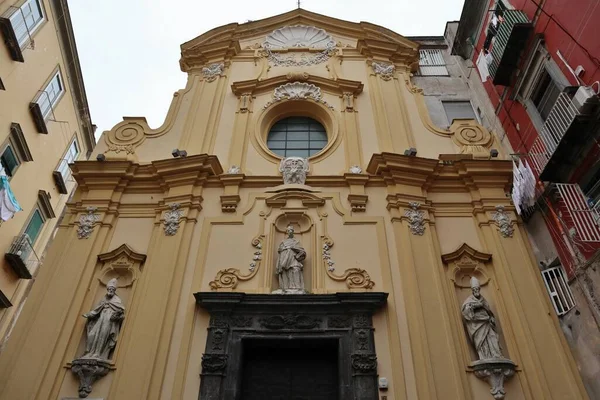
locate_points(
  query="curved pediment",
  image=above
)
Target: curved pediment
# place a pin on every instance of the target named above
(297, 29)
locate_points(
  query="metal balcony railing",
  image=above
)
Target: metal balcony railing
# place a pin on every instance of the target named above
(508, 44)
(560, 119)
(21, 256)
(581, 215)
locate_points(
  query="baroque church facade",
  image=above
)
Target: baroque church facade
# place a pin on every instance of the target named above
(298, 228)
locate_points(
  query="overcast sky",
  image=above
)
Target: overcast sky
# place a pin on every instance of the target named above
(129, 49)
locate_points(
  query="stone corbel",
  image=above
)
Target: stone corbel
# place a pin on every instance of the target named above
(231, 198)
(245, 103)
(357, 197)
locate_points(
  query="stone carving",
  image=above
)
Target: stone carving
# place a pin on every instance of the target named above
(229, 277)
(416, 223)
(503, 220)
(172, 219)
(384, 70)
(257, 256)
(214, 363)
(212, 71)
(102, 329)
(218, 336)
(241, 321)
(125, 137)
(362, 339)
(340, 321)
(362, 321)
(86, 223)
(298, 91)
(289, 268)
(480, 324)
(327, 258)
(364, 362)
(298, 37)
(276, 322)
(234, 169)
(294, 170)
(355, 169)
(88, 371)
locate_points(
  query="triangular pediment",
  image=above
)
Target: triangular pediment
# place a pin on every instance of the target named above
(218, 43)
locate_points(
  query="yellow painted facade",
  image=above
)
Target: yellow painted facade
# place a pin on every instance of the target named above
(222, 118)
(47, 50)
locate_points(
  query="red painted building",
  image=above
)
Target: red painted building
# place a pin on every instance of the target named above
(540, 64)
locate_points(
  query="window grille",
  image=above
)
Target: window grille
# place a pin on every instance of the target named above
(559, 290)
(583, 217)
(431, 63)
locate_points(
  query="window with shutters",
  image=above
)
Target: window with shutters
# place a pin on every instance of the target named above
(558, 289)
(18, 24)
(431, 63)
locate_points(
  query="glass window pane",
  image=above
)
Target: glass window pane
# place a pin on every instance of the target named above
(276, 135)
(314, 151)
(297, 135)
(458, 110)
(279, 152)
(297, 153)
(35, 226)
(317, 144)
(297, 145)
(9, 161)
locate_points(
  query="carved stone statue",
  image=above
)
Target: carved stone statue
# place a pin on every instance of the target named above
(294, 170)
(104, 323)
(481, 324)
(289, 265)
(102, 329)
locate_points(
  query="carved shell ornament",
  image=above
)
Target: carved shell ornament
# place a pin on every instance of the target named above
(298, 91)
(298, 37)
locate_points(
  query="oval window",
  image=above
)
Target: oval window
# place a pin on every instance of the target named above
(297, 137)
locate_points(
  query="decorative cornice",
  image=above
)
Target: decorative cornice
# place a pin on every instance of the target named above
(338, 87)
(463, 250)
(123, 249)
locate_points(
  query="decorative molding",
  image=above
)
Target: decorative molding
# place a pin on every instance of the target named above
(294, 170)
(234, 169)
(504, 223)
(355, 169)
(213, 71)
(355, 278)
(245, 102)
(86, 223)
(384, 70)
(214, 363)
(495, 372)
(298, 91)
(464, 263)
(45, 204)
(339, 321)
(89, 371)
(304, 39)
(122, 263)
(228, 278)
(172, 218)
(327, 258)
(472, 138)
(348, 101)
(416, 222)
(290, 321)
(364, 362)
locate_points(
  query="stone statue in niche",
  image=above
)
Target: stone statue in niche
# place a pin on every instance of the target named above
(480, 324)
(104, 323)
(294, 170)
(102, 329)
(289, 268)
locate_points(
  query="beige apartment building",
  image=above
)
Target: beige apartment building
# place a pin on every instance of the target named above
(307, 223)
(44, 126)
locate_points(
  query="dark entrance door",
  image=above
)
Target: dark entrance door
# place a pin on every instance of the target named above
(296, 369)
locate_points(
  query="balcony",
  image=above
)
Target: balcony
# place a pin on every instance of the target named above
(563, 134)
(21, 257)
(509, 42)
(576, 212)
(61, 176)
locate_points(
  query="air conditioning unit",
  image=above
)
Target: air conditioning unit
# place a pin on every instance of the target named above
(585, 100)
(20, 255)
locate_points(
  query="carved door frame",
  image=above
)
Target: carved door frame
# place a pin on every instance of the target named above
(236, 317)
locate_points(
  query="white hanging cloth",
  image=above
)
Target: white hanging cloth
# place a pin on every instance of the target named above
(8, 203)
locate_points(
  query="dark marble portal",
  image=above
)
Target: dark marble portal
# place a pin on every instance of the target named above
(290, 347)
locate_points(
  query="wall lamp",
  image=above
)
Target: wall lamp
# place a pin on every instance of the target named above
(101, 157)
(179, 153)
(410, 152)
(494, 153)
